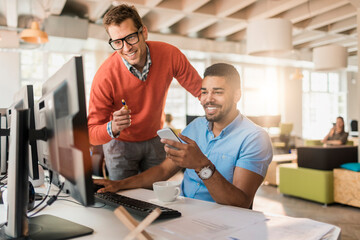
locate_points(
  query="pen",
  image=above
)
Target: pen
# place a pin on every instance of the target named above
(124, 103)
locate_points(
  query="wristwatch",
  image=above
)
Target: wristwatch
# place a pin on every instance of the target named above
(206, 172)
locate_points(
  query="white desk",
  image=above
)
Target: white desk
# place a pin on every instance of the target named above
(107, 226)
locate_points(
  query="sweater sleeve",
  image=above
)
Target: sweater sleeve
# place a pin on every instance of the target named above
(100, 110)
(186, 74)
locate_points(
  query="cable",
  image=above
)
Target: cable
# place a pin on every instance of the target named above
(3, 178)
(80, 203)
(49, 202)
(3, 224)
(45, 197)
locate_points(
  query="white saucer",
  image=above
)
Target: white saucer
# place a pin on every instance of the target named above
(156, 201)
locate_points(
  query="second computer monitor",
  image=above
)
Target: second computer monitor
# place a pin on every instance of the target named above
(62, 111)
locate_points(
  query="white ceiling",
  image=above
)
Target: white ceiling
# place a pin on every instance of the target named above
(315, 22)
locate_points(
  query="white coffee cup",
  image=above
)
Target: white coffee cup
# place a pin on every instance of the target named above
(166, 191)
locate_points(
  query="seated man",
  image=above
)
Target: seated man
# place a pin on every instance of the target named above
(226, 156)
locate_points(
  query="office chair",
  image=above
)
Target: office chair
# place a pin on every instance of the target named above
(190, 118)
(98, 161)
(284, 138)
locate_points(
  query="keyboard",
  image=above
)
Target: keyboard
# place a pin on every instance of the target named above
(134, 206)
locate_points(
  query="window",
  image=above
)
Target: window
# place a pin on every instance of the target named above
(38, 66)
(323, 101)
(260, 91)
(180, 103)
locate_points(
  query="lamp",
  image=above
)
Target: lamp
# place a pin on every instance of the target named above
(34, 34)
(330, 57)
(269, 36)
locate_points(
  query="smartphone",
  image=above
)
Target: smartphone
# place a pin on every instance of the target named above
(168, 133)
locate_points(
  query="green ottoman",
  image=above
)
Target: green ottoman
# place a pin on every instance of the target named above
(307, 183)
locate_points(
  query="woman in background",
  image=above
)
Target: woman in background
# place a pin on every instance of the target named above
(337, 135)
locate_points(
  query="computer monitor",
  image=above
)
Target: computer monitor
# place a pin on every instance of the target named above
(62, 111)
(63, 148)
(24, 99)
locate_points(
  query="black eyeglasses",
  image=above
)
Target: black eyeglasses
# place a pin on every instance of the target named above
(130, 39)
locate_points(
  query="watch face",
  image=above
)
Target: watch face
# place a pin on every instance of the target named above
(206, 173)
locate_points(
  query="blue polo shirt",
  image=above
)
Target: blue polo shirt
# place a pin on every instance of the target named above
(241, 144)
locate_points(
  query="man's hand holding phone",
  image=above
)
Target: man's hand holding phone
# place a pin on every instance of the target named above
(187, 154)
(168, 133)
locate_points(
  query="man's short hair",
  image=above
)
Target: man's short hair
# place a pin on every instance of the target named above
(118, 14)
(225, 70)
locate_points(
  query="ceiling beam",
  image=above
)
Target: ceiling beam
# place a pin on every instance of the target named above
(310, 9)
(226, 8)
(238, 36)
(329, 39)
(152, 3)
(221, 29)
(344, 25)
(327, 18)
(191, 5)
(97, 9)
(348, 42)
(157, 21)
(307, 36)
(265, 9)
(193, 24)
(355, 3)
(187, 6)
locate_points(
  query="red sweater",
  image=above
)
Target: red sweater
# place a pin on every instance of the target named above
(146, 100)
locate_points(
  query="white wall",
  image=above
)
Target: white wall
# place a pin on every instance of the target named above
(291, 106)
(352, 97)
(9, 77)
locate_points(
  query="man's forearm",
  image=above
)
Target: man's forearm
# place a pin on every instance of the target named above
(224, 192)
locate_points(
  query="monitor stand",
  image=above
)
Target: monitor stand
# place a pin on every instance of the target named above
(19, 226)
(49, 227)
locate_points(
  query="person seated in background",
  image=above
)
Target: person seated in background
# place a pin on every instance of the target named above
(226, 156)
(168, 120)
(337, 134)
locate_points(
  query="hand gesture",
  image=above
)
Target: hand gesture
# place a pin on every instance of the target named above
(121, 120)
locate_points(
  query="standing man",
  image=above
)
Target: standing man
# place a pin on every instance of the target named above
(226, 156)
(138, 72)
